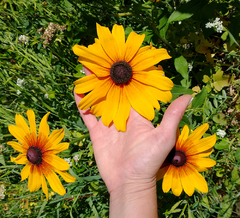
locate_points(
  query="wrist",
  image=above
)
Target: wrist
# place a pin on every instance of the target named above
(134, 199)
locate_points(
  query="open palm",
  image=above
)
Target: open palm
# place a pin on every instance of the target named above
(137, 154)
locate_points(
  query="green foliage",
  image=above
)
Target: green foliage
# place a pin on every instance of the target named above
(37, 72)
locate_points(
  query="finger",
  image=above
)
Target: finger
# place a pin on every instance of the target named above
(89, 119)
(172, 118)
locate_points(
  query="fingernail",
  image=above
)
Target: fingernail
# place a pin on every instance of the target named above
(190, 101)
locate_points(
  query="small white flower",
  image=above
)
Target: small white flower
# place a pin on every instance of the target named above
(18, 92)
(46, 96)
(208, 25)
(217, 24)
(221, 133)
(76, 158)
(68, 160)
(20, 82)
(23, 39)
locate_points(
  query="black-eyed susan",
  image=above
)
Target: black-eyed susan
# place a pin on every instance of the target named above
(180, 171)
(38, 152)
(123, 76)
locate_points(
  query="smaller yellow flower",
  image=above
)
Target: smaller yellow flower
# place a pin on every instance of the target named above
(39, 154)
(180, 171)
(155, 0)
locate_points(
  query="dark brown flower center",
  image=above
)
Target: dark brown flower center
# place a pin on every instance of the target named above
(178, 158)
(34, 155)
(121, 72)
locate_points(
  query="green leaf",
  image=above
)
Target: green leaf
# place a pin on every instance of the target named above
(179, 90)
(235, 176)
(220, 118)
(221, 145)
(237, 155)
(181, 66)
(2, 161)
(186, 10)
(199, 99)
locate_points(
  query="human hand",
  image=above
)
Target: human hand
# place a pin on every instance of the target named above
(133, 157)
(137, 154)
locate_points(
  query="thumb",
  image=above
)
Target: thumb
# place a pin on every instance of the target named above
(171, 119)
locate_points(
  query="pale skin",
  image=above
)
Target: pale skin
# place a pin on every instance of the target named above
(128, 161)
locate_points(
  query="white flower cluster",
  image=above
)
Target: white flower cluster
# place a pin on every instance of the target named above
(75, 158)
(20, 83)
(221, 133)
(190, 66)
(2, 190)
(23, 39)
(215, 24)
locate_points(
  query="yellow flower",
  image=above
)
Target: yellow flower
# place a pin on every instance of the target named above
(180, 171)
(123, 76)
(39, 154)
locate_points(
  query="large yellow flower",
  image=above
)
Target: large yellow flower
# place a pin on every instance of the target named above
(39, 154)
(180, 171)
(123, 76)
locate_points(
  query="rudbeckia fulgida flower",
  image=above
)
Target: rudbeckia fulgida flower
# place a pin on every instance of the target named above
(38, 152)
(123, 76)
(180, 171)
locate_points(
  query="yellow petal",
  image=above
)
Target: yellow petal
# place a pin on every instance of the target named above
(19, 134)
(133, 43)
(32, 123)
(53, 180)
(202, 145)
(90, 78)
(97, 70)
(59, 148)
(56, 161)
(67, 177)
(183, 137)
(119, 35)
(167, 179)
(21, 123)
(198, 133)
(163, 96)
(199, 182)
(17, 147)
(139, 102)
(87, 86)
(44, 186)
(34, 181)
(108, 42)
(111, 105)
(95, 96)
(43, 131)
(55, 137)
(176, 182)
(122, 113)
(87, 55)
(202, 162)
(20, 159)
(25, 171)
(146, 92)
(97, 109)
(154, 79)
(187, 180)
(149, 58)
